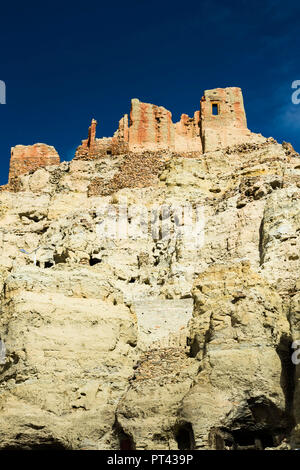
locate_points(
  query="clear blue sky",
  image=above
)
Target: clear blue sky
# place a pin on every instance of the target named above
(64, 63)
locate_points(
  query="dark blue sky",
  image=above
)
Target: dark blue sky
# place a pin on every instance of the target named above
(64, 63)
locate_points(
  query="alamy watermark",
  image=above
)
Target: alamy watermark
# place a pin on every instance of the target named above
(296, 354)
(296, 94)
(2, 92)
(156, 222)
(2, 352)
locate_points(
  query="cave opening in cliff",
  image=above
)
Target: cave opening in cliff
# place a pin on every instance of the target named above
(287, 379)
(184, 436)
(60, 258)
(124, 440)
(126, 443)
(94, 261)
(49, 264)
(194, 347)
(259, 424)
(252, 440)
(242, 439)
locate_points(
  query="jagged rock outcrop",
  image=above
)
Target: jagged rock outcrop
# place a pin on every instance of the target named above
(118, 336)
(241, 337)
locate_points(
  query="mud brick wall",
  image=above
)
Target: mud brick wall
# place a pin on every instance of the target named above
(187, 134)
(150, 127)
(26, 158)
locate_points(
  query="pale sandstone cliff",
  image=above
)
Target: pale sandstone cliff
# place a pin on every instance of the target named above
(153, 343)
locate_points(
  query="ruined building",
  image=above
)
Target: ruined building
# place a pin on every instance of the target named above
(26, 158)
(219, 122)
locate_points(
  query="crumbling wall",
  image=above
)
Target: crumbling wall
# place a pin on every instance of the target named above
(187, 134)
(162, 322)
(151, 127)
(26, 158)
(122, 134)
(92, 147)
(220, 122)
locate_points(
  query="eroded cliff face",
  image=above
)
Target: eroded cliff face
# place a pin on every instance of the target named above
(152, 342)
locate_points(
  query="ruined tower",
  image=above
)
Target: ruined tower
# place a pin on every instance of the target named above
(223, 118)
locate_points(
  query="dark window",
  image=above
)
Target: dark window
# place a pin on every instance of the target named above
(215, 109)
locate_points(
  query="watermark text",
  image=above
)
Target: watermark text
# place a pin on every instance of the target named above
(2, 92)
(296, 94)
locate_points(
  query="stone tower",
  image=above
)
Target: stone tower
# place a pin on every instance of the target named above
(223, 118)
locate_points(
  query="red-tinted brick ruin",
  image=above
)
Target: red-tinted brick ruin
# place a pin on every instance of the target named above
(27, 158)
(219, 122)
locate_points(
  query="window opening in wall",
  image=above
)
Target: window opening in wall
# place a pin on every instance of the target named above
(215, 109)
